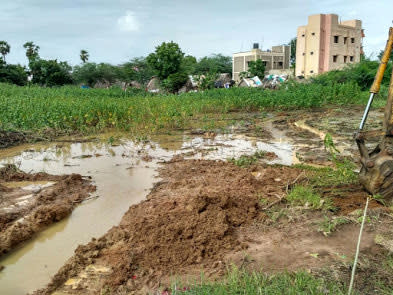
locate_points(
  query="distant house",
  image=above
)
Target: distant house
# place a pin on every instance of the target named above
(326, 43)
(275, 59)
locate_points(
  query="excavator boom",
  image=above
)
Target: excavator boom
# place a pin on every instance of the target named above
(376, 174)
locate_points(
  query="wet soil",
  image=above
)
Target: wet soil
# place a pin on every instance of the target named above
(11, 138)
(205, 215)
(31, 202)
(188, 223)
(202, 217)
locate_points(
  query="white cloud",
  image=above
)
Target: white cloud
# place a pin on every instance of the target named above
(128, 22)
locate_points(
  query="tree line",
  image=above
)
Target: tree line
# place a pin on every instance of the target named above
(168, 62)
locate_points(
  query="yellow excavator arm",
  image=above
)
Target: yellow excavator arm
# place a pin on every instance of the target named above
(376, 174)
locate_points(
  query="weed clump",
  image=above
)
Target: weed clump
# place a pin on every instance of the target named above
(328, 226)
(246, 161)
(305, 196)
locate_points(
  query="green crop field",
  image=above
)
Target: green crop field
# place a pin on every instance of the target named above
(71, 109)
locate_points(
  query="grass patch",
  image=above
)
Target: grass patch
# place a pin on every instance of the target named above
(246, 161)
(327, 176)
(242, 282)
(305, 196)
(328, 226)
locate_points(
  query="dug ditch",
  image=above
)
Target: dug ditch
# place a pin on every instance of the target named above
(123, 174)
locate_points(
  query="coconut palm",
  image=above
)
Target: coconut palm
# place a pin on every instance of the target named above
(31, 50)
(84, 55)
(4, 49)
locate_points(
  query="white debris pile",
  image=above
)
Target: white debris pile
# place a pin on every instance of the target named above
(272, 81)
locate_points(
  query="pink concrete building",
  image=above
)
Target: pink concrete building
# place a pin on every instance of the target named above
(326, 44)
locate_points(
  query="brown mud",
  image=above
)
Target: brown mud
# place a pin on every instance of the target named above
(11, 138)
(202, 217)
(31, 202)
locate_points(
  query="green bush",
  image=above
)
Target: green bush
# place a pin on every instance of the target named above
(362, 74)
(14, 74)
(175, 81)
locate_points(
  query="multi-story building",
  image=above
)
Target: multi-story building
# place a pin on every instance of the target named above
(326, 43)
(275, 59)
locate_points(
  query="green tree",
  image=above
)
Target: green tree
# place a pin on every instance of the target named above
(92, 73)
(14, 74)
(216, 63)
(292, 43)
(166, 59)
(108, 73)
(188, 64)
(50, 72)
(31, 50)
(4, 49)
(256, 68)
(84, 55)
(86, 74)
(138, 70)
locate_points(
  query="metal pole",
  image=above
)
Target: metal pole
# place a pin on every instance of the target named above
(366, 111)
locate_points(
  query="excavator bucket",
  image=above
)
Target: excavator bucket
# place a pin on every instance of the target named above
(376, 174)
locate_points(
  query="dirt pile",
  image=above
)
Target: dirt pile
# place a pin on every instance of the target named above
(26, 208)
(188, 223)
(10, 138)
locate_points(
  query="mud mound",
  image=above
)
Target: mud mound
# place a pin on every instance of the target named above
(10, 138)
(24, 212)
(190, 220)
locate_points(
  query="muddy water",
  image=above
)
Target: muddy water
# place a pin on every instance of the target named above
(122, 178)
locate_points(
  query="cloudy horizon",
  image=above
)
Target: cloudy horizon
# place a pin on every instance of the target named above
(119, 30)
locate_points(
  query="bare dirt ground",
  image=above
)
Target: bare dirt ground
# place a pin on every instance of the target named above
(205, 216)
(30, 202)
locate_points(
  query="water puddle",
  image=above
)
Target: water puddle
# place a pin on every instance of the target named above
(123, 174)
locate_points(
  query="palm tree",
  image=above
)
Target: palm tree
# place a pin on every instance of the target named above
(31, 50)
(84, 55)
(4, 49)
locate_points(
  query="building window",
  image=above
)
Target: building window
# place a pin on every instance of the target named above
(352, 40)
(335, 39)
(345, 58)
(313, 34)
(311, 71)
(312, 52)
(302, 35)
(351, 58)
(264, 63)
(335, 58)
(345, 40)
(280, 63)
(304, 54)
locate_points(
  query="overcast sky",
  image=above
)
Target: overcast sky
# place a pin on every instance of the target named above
(117, 30)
